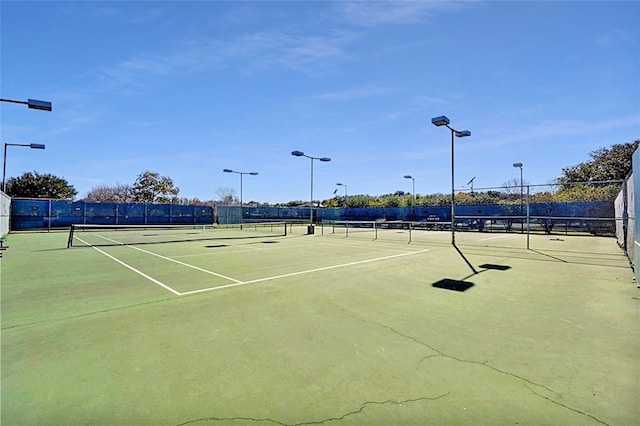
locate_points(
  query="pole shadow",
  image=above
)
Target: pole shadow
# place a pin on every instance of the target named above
(465, 259)
(463, 285)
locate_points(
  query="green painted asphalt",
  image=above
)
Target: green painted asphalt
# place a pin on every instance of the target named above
(320, 330)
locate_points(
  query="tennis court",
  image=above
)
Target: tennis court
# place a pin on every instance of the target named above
(302, 329)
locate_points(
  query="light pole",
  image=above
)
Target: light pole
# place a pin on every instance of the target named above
(32, 103)
(345, 192)
(241, 174)
(4, 161)
(325, 159)
(519, 165)
(413, 201)
(444, 121)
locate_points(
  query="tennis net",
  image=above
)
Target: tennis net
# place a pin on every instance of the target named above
(397, 230)
(113, 235)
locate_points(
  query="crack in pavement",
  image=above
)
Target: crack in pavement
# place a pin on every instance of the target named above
(566, 406)
(318, 422)
(439, 353)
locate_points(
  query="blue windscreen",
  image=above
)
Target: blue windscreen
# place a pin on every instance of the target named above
(34, 214)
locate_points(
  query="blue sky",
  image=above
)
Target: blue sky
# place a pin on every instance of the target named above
(187, 89)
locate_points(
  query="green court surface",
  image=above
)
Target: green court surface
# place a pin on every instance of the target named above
(320, 329)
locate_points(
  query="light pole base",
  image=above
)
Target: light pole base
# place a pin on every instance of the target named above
(310, 230)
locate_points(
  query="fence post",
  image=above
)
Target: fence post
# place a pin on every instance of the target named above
(528, 216)
(625, 214)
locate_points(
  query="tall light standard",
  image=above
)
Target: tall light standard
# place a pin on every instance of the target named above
(4, 161)
(345, 192)
(519, 165)
(32, 103)
(444, 121)
(413, 201)
(241, 174)
(302, 154)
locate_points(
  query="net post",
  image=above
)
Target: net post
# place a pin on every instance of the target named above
(70, 240)
(285, 229)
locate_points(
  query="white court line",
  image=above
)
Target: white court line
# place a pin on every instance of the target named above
(153, 280)
(292, 274)
(237, 283)
(219, 253)
(173, 260)
(495, 238)
(359, 244)
(197, 268)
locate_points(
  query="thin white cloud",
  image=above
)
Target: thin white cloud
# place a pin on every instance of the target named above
(573, 127)
(614, 38)
(372, 13)
(357, 93)
(543, 134)
(112, 11)
(258, 51)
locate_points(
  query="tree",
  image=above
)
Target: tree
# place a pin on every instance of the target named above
(513, 189)
(614, 163)
(227, 196)
(118, 193)
(188, 201)
(150, 187)
(36, 185)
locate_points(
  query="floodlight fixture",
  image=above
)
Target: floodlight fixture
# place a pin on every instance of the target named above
(440, 121)
(32, 104)
(517, 165)
(297, 153)
(41, 105)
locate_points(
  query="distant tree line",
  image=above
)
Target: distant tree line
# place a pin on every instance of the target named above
(581, 182)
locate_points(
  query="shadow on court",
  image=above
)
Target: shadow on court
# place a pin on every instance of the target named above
(462, 285)
(453, 285)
